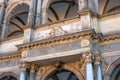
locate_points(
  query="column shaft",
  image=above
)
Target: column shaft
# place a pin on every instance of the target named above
(23, 75)
(32, 75)
(89, 71)
(2, 11)
(98, 72)
(4, 30)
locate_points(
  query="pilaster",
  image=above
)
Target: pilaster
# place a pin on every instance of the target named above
(28, 34)
(38, 13)
(85, 17)
(31, 15)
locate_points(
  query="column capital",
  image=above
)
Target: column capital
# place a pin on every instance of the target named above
(97, 57)
(23, 66)
(88, 56)
(33, 68)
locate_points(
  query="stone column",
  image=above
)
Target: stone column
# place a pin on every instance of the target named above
(3, 23)
(89, 69)
(38, 13)
(98, 71)
(23, 74)
(33, 69)
(5, 29)
(31, 15)
(44, 16)
(2, 12)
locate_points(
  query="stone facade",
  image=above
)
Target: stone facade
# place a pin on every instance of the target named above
(37, 41)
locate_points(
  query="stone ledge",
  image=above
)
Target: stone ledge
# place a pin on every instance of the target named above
(56, 40)
(10, 57)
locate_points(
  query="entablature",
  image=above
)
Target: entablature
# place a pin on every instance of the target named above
(58, 40)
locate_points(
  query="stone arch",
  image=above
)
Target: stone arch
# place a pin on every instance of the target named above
(11, 8)
(9, 74)
(51, 10)
(111, 68)
(65, 67)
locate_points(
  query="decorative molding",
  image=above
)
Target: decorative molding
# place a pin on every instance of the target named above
(56, 55)
(10, 57)
(110, 39)
(85, 43)
(33, 67)
(111, 54)
(56, 40)
(104, 40)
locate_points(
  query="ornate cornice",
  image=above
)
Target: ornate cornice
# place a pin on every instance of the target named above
(110, 39)
(10, 57)
(103, 40)
(56, 40)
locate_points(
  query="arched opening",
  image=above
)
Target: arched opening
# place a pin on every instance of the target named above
(18, 20)
(62, 9)
(109, 6)
(62, 75)
(116, 73)
(8, 78)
